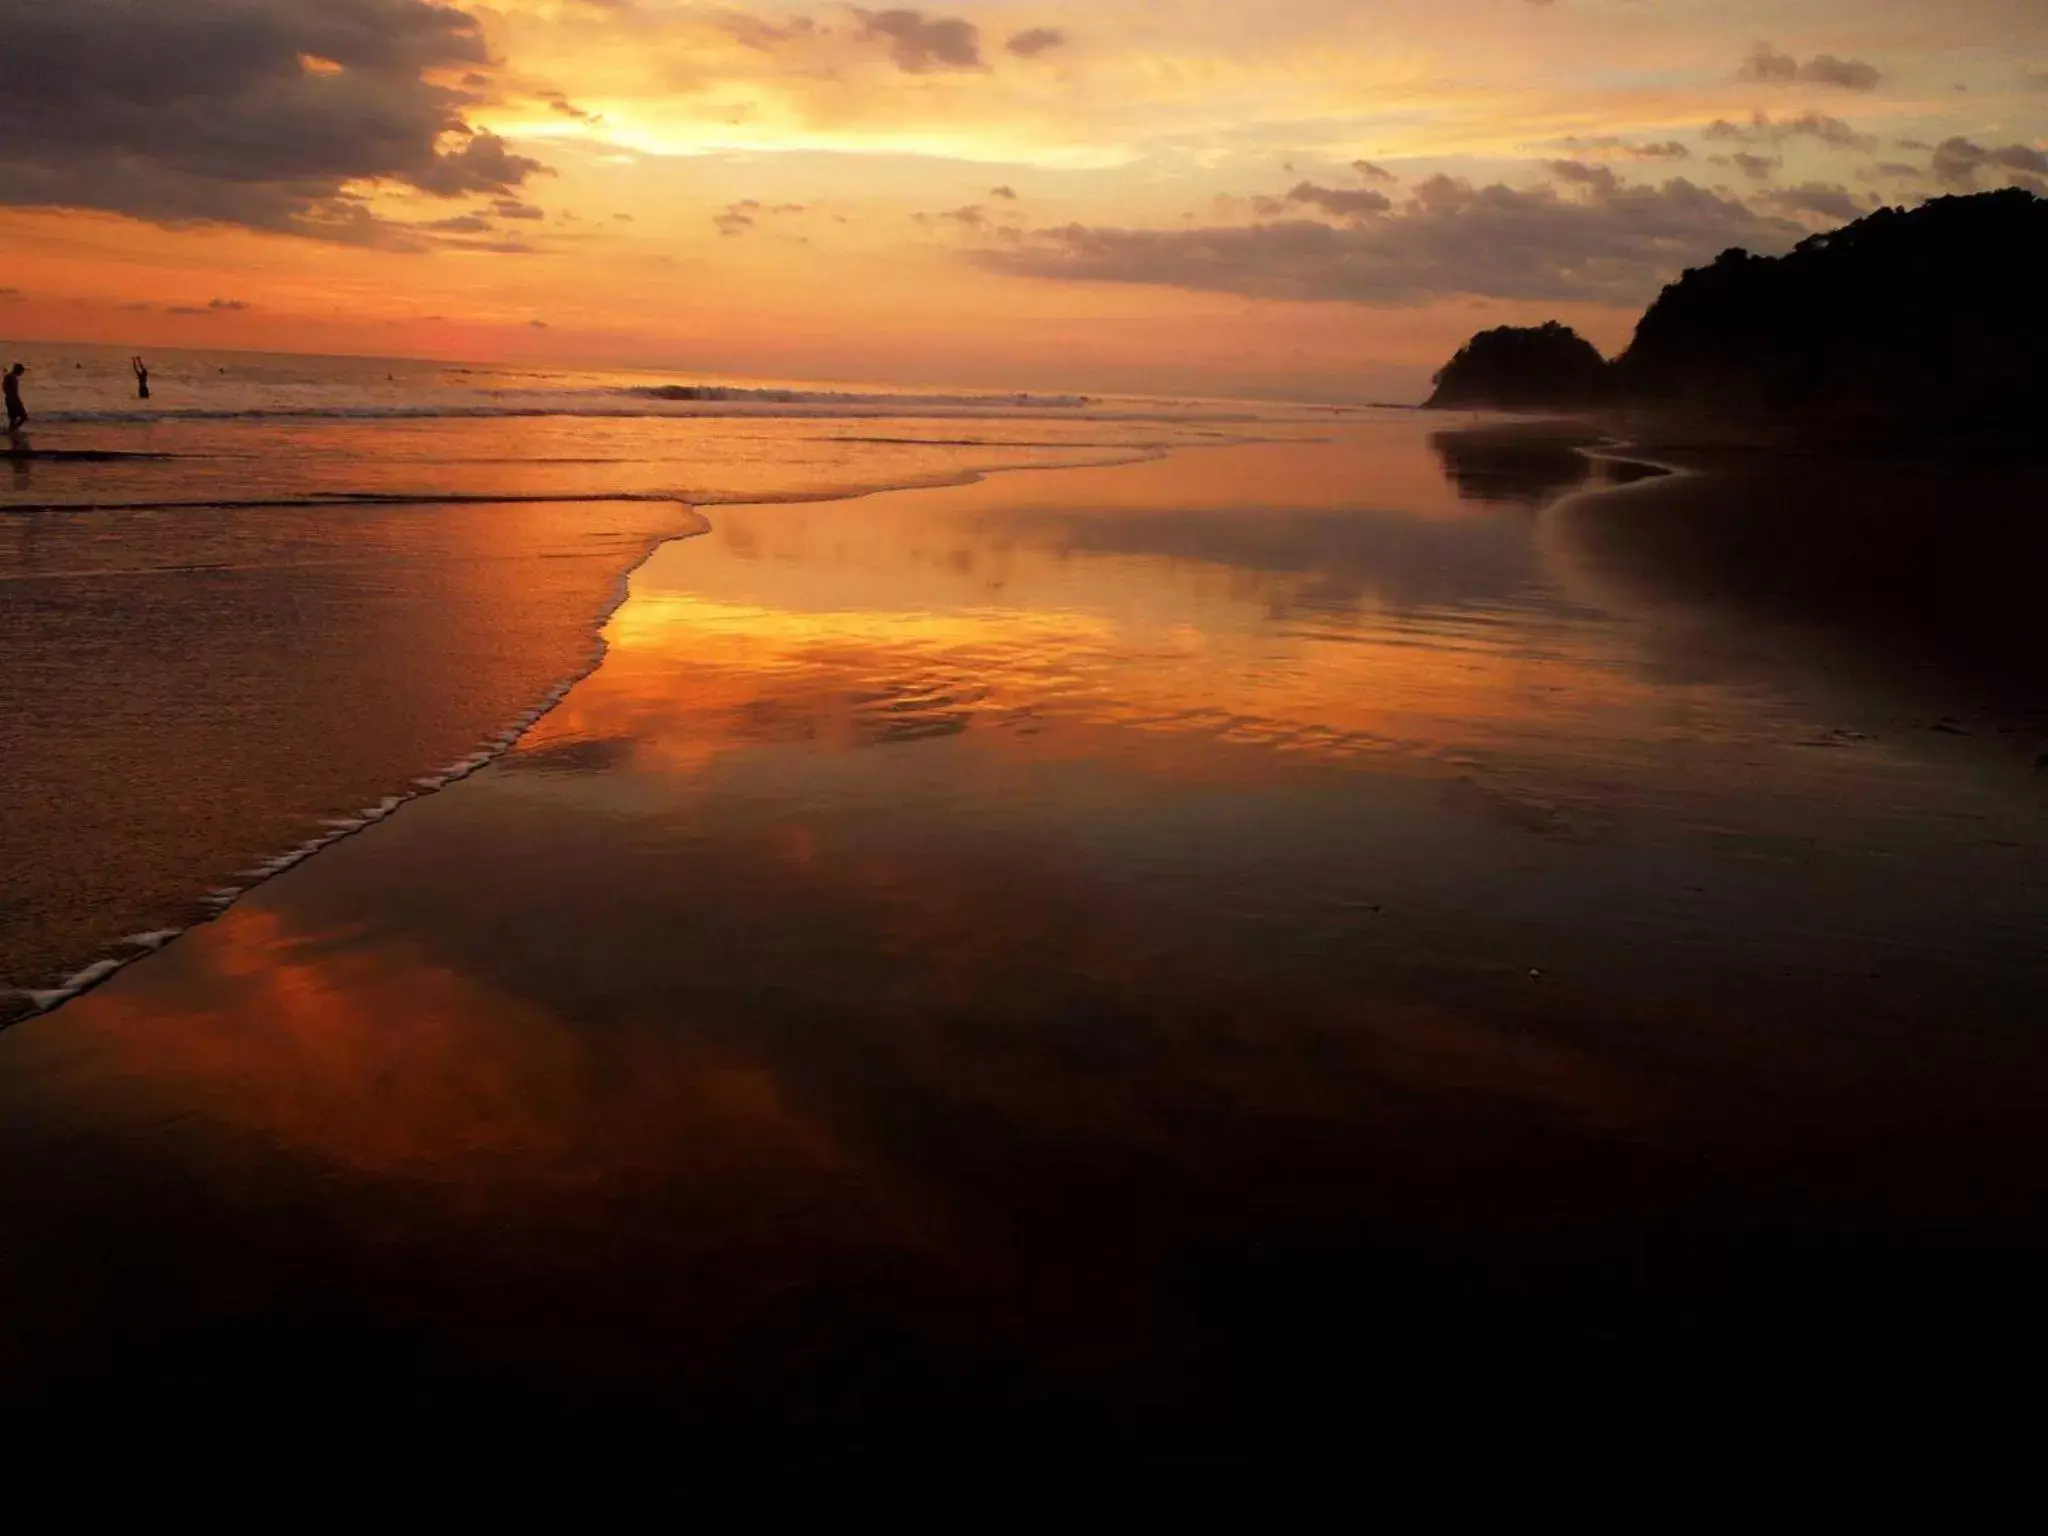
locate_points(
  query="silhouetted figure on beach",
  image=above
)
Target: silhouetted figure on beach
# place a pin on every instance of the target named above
(141, 377)
(17, 413)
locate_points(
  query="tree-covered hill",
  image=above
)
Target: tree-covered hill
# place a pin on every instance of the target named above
(1934, 317)
(1931, 321)
(1538, 367)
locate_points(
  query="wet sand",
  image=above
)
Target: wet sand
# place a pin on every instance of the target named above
(192, 693)
(1912, 581)
(227, 649)
(1302, 948)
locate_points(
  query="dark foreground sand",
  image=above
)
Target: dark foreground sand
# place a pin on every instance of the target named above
(1289, 949)
(1914, 579)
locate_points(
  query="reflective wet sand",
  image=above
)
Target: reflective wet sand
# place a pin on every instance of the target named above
(235, 635)
(1266, 951)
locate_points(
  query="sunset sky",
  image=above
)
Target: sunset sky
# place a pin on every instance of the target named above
(1318, 198)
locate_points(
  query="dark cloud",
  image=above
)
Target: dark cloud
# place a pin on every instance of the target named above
(1766, 65)
(483, 164)
(1008, 194)
(1849, 74)
(500, 247)
(203, 111)
(754, 32)
(557, 102)
(461, 224)
(1670, 149)
(512, 208)
(1828, 202)
(737, 218)
(1031, 43)
(1611, 246)
(921, 44)
(1957, 161)
(210, 307)
(12, 296)
(1577, 173)
(1373, 172)
(540, 325)
(1899, 169)
(1755, 167)
(1343, 203)
(1762, 128)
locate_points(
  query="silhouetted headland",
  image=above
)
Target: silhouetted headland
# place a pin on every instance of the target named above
(1909, 328)
(1520, 368)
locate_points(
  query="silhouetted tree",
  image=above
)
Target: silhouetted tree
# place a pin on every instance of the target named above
(1934, 318)
(1538, 367)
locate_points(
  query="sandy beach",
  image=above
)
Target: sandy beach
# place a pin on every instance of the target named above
(1302, 946)
(236, 633)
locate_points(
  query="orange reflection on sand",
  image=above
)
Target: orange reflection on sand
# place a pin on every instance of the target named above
(362, 1051)
(734, 639)
(372, 1056)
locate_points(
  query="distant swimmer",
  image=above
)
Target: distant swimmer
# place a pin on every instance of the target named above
(141, 377)
(17, 413)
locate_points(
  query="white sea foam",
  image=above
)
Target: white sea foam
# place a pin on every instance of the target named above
(44, 999)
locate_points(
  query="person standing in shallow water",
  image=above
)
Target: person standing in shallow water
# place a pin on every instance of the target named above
(17, 413)
(141, 377)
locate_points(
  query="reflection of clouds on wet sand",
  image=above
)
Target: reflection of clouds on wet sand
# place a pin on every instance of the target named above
(795, 1095)
(434, 1049)
(1007, 937)
(1130, 698)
